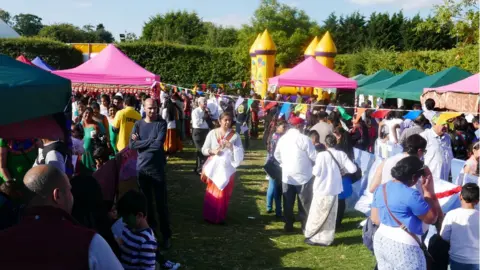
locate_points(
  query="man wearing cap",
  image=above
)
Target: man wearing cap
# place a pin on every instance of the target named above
(439, 149)
(296, 154)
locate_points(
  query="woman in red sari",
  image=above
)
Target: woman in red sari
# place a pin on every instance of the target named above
(224, 148)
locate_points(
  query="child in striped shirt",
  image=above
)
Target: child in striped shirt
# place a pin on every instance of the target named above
(138, 245)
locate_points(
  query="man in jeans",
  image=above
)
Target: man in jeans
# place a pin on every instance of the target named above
(148, 136)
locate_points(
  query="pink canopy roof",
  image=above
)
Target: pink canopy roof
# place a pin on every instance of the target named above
(468, 85)
(110, 66)
(310, 73)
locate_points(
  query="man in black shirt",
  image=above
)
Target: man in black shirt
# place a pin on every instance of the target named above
(148, 136)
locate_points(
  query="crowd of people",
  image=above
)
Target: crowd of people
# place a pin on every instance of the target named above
(310, 159)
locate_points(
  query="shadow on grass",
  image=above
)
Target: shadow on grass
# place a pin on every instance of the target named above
(243, 243)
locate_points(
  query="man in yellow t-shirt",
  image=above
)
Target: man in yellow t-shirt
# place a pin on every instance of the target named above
(124, 122)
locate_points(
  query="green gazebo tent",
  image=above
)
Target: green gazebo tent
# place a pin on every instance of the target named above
(376, 77)
(34, 102)
(358, 77)
(28, 92)
(414, 89)
(378, 89)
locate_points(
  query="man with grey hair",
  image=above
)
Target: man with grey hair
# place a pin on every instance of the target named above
(48, 236)
(200, 116)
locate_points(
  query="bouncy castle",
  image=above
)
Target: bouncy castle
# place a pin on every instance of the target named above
(263, 52)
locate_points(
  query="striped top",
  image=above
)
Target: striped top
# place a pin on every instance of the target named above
(138, 249)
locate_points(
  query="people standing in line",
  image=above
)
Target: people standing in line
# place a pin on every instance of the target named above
(112, 112)
(104, 104)
(200, 132)
(224, 148)
(117, 101)
(243, 116)
(124, 121)
(173, 143)
(16, 158)
(322, 127)
(417, 128)
(91, 133)
(296, 154)
(399, 210)
(329, 167)
(52, 152)
(148, 137)
(274, 191)
(439, 153)
(460, 229)
(48, 236)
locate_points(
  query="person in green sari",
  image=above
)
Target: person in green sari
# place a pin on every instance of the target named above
(91, 130)
(112, 111)
(102, 122)
(16, 158)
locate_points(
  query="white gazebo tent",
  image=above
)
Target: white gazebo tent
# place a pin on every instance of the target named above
(6, 31)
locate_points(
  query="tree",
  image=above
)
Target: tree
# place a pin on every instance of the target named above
(103, 36)
(27, 24)
(130, 37)
(218, 36)
(349, 35)
(5, 16)
(64, 32)
(179, 27)
(463, 14)
(290, 29)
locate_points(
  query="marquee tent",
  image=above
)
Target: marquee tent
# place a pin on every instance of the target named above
(41, 64)
(6, 31)
(358, 77)
(32, 97)
(310, 73)
(378, 89)
(376, 77)
(462, 96)
(413, 90)
(109, 72)
(24, 60)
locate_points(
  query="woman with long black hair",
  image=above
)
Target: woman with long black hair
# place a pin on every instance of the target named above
(173, 143)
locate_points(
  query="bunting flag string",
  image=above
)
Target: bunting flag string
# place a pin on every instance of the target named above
(379, 112)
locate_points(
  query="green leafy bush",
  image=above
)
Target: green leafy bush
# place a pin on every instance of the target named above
(56, 54)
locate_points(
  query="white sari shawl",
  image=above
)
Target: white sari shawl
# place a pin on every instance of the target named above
(220, 168)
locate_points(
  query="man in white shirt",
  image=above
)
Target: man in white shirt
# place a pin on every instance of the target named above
(296, 154)
(429, 109)
(52, 153)
(322, 127)
(460, 228)
(439, 153)
(200, 132)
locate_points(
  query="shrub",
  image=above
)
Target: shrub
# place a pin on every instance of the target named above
(56, 54)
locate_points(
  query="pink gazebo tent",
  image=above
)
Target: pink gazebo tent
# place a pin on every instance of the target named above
(111, 71)
(310, 73)
(462, 96)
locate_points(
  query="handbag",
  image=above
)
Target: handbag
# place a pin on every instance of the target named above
(428, 256)
(273, 169)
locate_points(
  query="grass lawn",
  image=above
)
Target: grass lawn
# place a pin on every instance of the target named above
(245, 243)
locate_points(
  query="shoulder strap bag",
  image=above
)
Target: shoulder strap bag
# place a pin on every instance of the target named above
(428, 257)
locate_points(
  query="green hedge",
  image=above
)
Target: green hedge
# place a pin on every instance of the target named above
(187, 65)
(57, 54)
(370, 61)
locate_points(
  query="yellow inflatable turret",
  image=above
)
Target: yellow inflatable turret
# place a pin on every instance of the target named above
(326, 51)
(310, 51)
(265, 51)
(253, 59)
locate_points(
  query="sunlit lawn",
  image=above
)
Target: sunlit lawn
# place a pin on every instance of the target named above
(252, 239)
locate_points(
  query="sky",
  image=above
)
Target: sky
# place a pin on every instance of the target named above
(120, 16)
